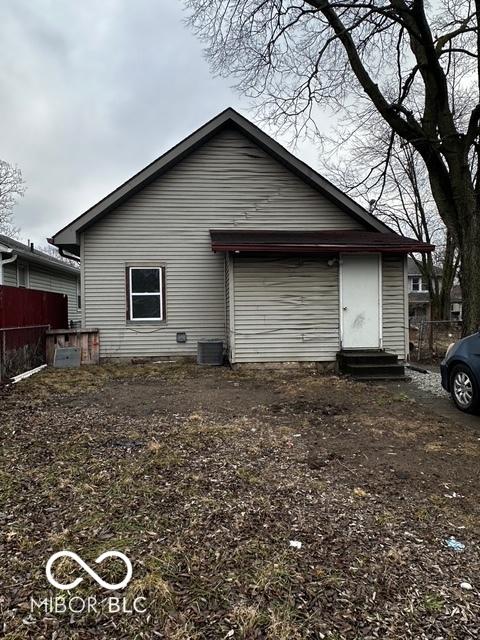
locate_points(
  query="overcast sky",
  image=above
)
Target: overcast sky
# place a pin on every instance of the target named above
(91, 92)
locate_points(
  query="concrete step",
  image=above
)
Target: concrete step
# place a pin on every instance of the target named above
(367, 357)
(377, 369)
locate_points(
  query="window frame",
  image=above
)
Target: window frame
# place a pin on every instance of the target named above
(419, 282)
(79, 295)
(160, 294)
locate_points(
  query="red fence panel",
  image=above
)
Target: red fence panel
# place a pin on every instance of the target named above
(28, 307)
(25, 317)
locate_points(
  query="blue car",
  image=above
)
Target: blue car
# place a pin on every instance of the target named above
(460, 371)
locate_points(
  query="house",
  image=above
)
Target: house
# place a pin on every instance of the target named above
(419, 297)
(456, 303)
(230, 236)
(22, 265)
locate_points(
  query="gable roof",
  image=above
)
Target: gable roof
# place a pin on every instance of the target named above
(68, 237)
(30, 254)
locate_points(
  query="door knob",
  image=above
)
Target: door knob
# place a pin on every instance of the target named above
(345, 308)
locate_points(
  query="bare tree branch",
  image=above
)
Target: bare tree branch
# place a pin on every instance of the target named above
(416, 65)
(12, 187)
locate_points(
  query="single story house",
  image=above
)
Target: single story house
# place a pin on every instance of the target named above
(230, 236)
(23, 265)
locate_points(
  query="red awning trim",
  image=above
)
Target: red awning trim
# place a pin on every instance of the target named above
(333, 241)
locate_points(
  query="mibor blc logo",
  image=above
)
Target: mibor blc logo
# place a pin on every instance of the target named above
(89, 570)
(79, 605)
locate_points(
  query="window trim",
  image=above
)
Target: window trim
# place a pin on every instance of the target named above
(161, 294)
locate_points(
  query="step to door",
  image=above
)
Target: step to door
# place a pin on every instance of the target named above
(370, 364)
(367, 357)
(374, 369)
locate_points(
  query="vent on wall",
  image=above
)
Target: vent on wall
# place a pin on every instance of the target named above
(210, 352)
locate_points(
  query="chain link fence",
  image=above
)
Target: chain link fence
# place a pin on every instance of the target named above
(429, 339)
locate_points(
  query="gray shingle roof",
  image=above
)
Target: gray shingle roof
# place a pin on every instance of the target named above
(35, 255)
(413, 270)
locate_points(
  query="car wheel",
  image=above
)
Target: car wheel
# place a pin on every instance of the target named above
(464, 389)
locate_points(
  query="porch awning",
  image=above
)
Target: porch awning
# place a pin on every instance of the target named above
(334, 241)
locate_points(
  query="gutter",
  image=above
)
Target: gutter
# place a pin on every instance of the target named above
(7, 261)
(322, 248)
(63, 252)
(69, 256)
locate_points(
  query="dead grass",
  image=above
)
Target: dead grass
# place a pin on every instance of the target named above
(202, 477)
(91, 378)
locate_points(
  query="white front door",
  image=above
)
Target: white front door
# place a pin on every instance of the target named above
(360, 301)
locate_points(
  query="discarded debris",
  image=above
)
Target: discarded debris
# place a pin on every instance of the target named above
(408, 534)
(27, 374)
(454, 544)
(466, 585)
(359, 492)
(296, 544)
(415, 368)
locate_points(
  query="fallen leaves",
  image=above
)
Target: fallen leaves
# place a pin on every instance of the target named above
(280, 507)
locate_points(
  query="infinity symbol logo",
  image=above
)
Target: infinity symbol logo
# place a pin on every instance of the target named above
(91, 572)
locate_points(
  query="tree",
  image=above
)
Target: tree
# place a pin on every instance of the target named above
(417, 66)
(11, 187)
(389, 178)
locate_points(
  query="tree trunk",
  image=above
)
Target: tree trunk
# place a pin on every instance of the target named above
(469, 245)
(459, 208)
(436, 310)
(449, 271)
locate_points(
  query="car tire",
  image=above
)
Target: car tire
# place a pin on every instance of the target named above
(464, 389)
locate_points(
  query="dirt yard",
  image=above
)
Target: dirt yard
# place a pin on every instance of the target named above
(204, 478)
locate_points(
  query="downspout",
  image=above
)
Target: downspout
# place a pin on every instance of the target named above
(7, 261)
(62, 252)
(67, 255)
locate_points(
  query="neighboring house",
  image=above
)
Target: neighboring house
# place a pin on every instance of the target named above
(456, 303)
(229, 236)
(419, 297)
(22, 265)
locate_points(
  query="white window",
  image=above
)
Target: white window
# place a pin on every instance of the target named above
(416, 283)
(22, 274)
(146, 295)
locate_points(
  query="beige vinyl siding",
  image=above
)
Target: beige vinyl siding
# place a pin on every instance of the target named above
(228, 182)
(393, 305)
(47, 279)
(10, 274)
(286, 309)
